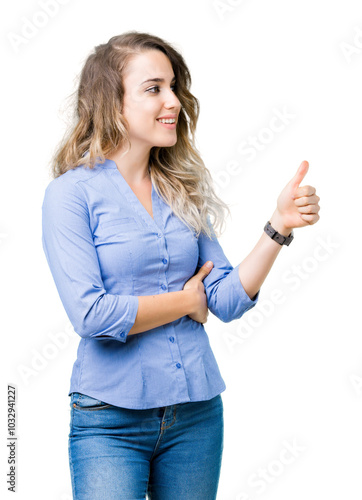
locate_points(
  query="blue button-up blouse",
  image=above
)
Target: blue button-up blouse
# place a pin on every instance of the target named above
(104, 249)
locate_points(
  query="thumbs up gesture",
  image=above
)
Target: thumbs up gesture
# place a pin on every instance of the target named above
(297, 206)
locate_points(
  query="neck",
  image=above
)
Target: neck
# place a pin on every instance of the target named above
(133, 165)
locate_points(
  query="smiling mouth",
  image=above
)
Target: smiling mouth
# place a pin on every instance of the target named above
(170, 121)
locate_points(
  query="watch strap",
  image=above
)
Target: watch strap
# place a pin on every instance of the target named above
(279, 238)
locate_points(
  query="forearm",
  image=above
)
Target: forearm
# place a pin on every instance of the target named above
(157, 310)
(256, 266)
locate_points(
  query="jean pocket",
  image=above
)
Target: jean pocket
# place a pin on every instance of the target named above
(87, 403)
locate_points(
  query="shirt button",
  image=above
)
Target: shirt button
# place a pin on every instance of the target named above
(164, 261)
(159, 235)
(172, 339)
(122, 334)
(178, 365)
(163, 287)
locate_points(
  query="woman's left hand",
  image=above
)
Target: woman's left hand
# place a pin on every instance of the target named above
(298, 206)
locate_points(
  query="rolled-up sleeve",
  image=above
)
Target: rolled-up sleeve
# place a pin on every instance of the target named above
(226, 296)
(71, 254)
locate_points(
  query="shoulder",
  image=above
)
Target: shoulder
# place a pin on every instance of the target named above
(72, 183)
(69, 193)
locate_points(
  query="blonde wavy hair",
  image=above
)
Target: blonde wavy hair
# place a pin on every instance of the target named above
(99, 128)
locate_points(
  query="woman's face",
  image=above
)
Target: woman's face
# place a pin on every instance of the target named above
(145, 102)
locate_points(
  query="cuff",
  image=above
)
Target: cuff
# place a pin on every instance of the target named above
(130, 319)
(239, 289)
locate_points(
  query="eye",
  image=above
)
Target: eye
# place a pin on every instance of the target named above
(152, 88)
(156, 89)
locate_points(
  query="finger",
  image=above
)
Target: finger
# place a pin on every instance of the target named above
(304, 191)
(311, 219)
(309, 209)
(205, 269)
(299, 176)
(307, 200)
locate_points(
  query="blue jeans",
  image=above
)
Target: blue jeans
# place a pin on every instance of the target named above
(169, 453)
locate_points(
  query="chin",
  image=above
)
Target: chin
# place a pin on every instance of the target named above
(164, 144)
(169, 142)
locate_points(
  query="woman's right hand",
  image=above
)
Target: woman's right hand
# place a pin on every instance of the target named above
(195, 283)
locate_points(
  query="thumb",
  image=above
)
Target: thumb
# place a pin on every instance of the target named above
(299, 176)
(205, 269)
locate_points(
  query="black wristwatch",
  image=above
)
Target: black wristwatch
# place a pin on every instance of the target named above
(279, 238)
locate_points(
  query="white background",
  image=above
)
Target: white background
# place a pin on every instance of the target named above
(295, 375)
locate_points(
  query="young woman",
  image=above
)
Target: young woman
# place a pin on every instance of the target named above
(127, 234)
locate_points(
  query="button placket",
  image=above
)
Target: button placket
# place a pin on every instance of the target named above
(164, 261)
(177, 364)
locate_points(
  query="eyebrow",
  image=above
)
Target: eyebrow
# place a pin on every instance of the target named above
(160, 80)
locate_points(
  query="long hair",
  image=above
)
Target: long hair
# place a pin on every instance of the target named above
(178, 173)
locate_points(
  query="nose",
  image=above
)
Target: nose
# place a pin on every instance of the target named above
(172, 101)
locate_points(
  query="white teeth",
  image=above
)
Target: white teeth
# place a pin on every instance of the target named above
(170, 120)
